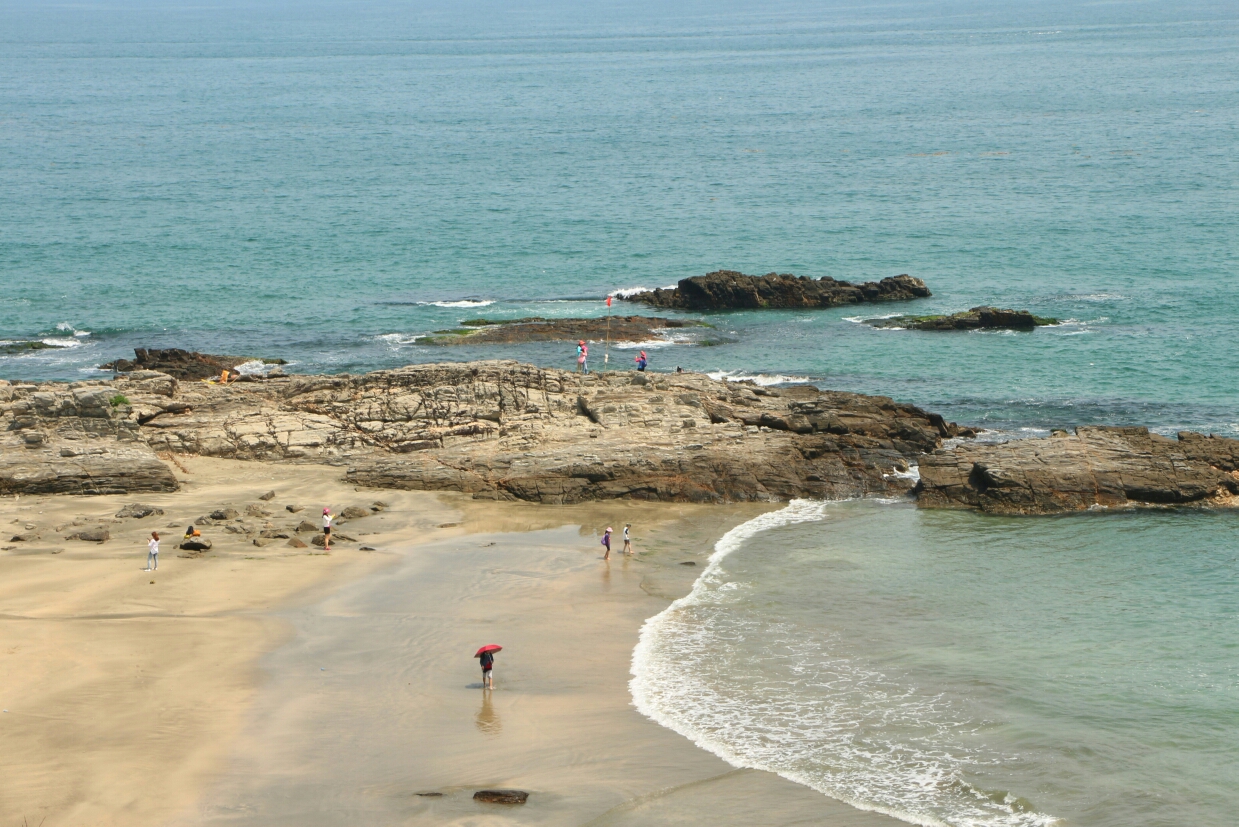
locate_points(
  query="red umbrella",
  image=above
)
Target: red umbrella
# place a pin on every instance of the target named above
(490, 647)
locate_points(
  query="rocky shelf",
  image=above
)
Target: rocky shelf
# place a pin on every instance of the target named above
(537, 329)
(729, 290)
(505, 430)
(978, 318)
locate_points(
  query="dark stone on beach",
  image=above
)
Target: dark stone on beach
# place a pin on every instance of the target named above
(730, 290)
(293, 509)
(92, 535)
(368, 548)
(1109, 467)
(270, 495)
(501, 796)
(537, 329)
(431, 795)
(320, 539)
(181, 364)
(275, 534)
(377, 506)
(199, 544)
(224, 514)
(262, 541)
(688, 563)
(28, 537)
(294, 542)
(978, 318)
(257, 511)
(138, 511)
(306, 525)
(354, 513)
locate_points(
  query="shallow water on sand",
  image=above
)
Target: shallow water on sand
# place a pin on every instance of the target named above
(949, 668)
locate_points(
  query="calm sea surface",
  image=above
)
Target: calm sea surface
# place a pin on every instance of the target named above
(326, 182)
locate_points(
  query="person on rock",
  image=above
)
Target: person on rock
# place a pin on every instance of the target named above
(642, 360)
(582, 356)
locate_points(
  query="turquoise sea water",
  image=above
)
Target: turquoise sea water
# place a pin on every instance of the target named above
(326, 182)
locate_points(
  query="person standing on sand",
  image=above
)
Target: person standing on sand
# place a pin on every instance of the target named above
(152, 552)
(488, 667)
(642, 360)
(327, 518)
(582, 356)
(606, 541)
(627, 539)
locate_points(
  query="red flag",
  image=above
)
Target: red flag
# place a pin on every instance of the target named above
(608, 301)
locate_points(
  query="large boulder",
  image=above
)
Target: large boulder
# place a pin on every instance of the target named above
(1097, 466)
(730, 290)
(102, 467)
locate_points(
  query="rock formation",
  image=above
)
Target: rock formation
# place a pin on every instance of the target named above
(1097, 466)
(494, 429)
(182, 364)
(536, 329)
(729, 290)
(978, 318)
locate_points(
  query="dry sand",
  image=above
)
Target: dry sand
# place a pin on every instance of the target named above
(272, 686)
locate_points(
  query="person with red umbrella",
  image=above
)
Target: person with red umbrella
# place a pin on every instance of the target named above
(487, 655)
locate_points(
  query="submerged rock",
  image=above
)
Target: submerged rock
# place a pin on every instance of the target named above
(182, 364)
(978, 318)
(730, 290)
(501, 796)
(1097, 466)
(537, 329)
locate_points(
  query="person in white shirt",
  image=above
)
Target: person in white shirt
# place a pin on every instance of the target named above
(152, 552)
(627, 539)
(327, 518)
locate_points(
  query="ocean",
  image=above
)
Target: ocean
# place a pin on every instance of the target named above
(327, 182)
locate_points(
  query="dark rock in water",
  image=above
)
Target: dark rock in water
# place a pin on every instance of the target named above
(198, 544)
(10, 348)
(501, 796)
(730, 290)
(182, 364)
(688, 563)
(92, 535)
(354, 513)
(1097, 466)
(138, 511)
(537, 329)
(978, 318)
(431, 795)
(270, 495)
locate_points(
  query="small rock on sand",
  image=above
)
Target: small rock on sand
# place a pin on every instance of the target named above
(137, 511)
(501, 796)
(354, 513)
(295, 542)
(293, 509)
(377, 506)
(306, 525)
(270, 495)
(92, 535)
(318, 540)
(224, 514)
(200, 544)
(688, 563)
(257, 511)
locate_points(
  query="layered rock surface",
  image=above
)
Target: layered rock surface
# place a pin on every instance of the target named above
(730, 290)
(978, 318)
(182, 364)
(495, 429)
(1097, 466)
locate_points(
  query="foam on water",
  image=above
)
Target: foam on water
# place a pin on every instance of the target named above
(804, 712)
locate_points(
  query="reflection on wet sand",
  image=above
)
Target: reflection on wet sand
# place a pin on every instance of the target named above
(487, 721)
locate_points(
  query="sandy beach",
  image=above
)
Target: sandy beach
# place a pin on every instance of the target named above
(272, 685)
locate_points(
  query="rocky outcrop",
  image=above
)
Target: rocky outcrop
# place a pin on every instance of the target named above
(1097, 466)
(186, 365)
(729, 290)
(504, 430)
(535, 329)
(978, 318)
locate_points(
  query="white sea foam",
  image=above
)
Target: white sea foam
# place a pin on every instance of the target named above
(863, 319)
(61, 343)
(632, 291)
(649, 344)
(255, 367)
(756, 378)
(794, 707)
(461, 303)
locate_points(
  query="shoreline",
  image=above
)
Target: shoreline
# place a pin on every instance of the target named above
(381, 671)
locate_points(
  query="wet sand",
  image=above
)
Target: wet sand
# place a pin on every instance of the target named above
(377, 701)
(277, 686)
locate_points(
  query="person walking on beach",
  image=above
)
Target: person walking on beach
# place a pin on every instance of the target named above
(488, 668)
(582, 356)
(327, 518)
(642, 360)
(627, 539)
(606, 541)
(152, 552)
